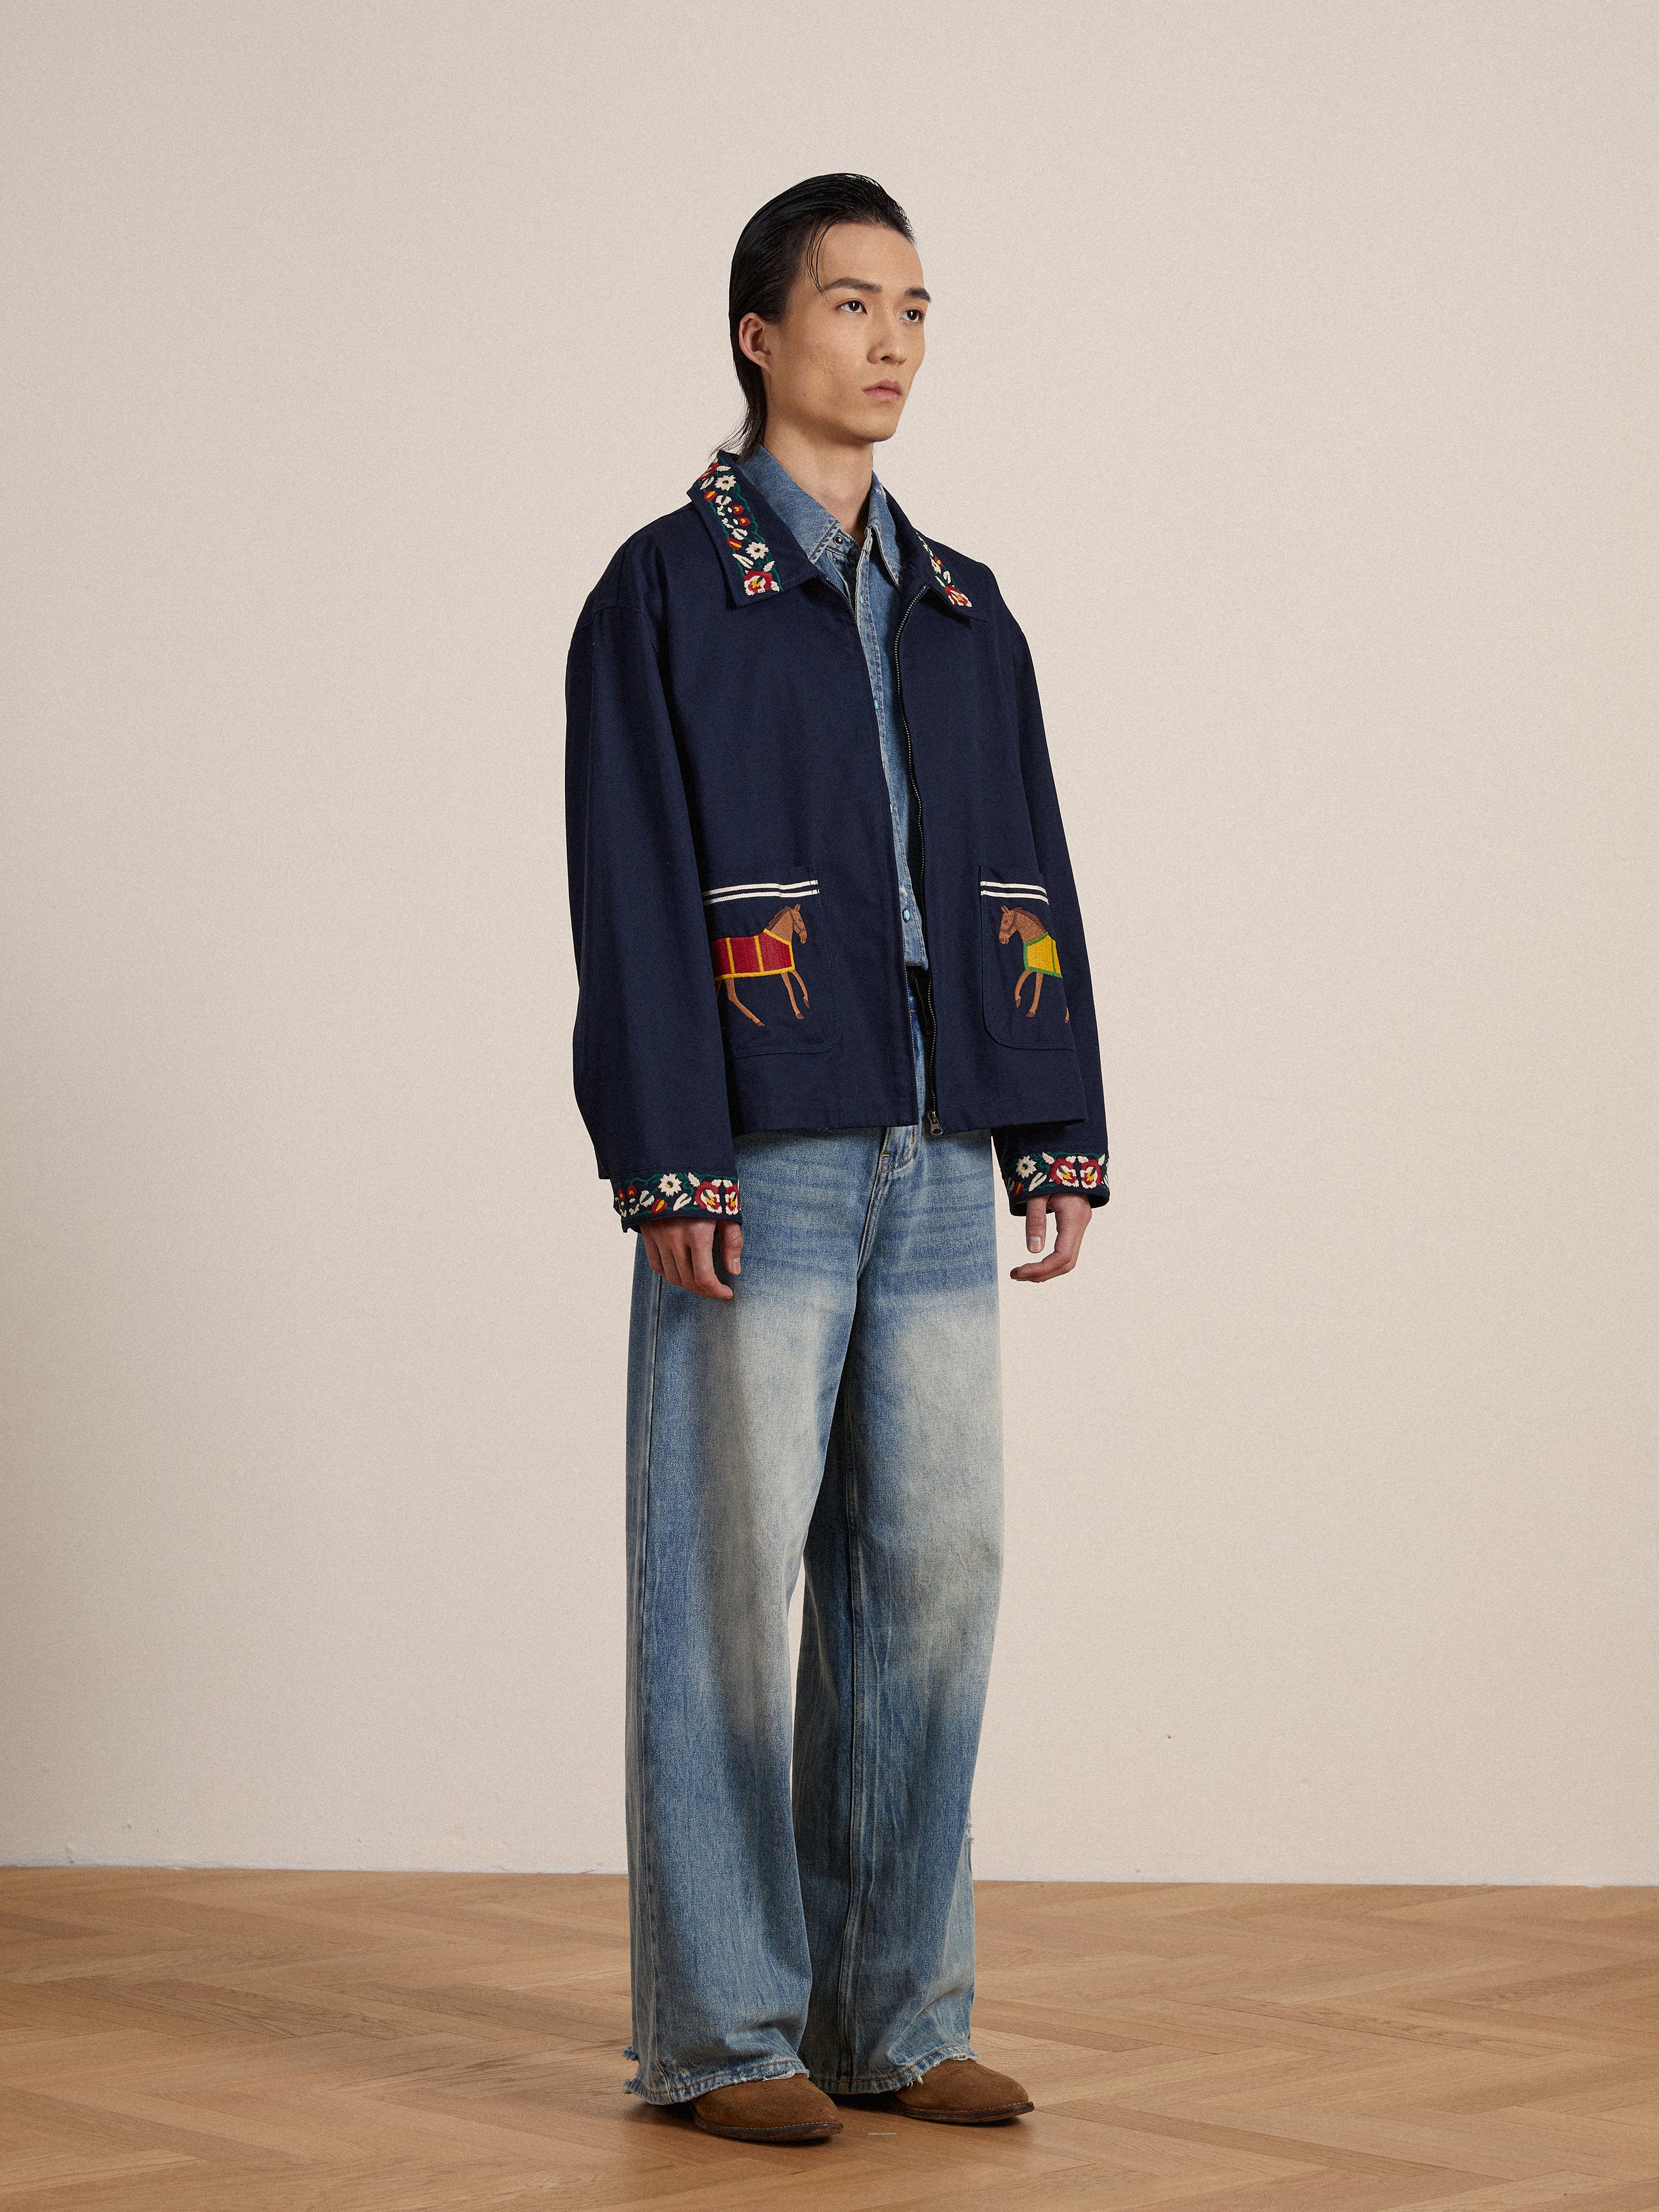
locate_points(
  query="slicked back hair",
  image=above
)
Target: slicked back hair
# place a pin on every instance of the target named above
(778, 241)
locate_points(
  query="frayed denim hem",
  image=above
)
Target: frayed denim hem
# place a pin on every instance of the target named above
(876, 2085)
(681, 2087)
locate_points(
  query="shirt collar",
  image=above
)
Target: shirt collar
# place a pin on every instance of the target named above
(811, 523)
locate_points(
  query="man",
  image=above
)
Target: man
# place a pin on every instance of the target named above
(832, 977)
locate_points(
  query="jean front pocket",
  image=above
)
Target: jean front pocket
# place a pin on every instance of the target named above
(1021, 977)
(767, 945)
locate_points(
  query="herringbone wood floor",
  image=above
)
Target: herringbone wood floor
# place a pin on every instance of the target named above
(243, 2042)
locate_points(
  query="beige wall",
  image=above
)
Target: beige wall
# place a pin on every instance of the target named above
(1293, 365)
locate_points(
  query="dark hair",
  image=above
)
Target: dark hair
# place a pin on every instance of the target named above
(777, 240)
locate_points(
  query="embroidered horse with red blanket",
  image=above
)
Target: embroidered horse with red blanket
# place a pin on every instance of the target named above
(769, 951)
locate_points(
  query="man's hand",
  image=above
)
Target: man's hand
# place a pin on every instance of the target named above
(683, 1253)
(1072, 1219)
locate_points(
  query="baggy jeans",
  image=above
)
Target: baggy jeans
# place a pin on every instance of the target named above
(844, 1407)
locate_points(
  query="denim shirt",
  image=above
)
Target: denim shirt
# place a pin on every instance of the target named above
(868, 576)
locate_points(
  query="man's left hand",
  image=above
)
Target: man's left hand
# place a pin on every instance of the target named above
(1070, 1218)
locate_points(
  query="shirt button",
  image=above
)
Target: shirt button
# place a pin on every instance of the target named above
(907, 914)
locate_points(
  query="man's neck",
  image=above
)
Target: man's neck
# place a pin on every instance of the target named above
(837, 475)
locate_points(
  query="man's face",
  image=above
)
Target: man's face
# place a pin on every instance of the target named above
(839, 363)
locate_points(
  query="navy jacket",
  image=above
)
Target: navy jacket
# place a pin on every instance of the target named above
(733, 886)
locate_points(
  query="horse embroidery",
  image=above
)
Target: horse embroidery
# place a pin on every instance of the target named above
(1041, 954)
(769, 951)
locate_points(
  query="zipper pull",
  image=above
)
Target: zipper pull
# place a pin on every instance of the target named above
(933, 1126)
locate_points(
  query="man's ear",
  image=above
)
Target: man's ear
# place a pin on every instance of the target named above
(751, 339)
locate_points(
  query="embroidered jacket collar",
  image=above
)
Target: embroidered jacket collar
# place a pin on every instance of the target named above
(763, 557)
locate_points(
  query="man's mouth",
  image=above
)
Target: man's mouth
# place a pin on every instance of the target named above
(881, 392)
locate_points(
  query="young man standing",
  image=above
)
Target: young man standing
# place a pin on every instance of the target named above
(832, 978)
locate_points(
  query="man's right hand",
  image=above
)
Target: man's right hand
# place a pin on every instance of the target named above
(683, 1254)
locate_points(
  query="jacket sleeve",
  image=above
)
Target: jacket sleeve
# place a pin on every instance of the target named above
(1048, 1159)
(649, 1060)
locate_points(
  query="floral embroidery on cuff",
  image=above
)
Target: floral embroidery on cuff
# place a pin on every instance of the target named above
(752, 554)
(670, 1192)
(957, 599)
(1046, 1171)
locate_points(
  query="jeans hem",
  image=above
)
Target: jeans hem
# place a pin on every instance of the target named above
(898, 2077)
(676, 2086)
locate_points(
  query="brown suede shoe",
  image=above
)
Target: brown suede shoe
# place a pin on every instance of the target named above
(788, 2108)
(963, 2093)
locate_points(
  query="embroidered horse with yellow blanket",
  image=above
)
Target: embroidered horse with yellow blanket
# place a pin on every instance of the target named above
(1041, 954)
(769, 951)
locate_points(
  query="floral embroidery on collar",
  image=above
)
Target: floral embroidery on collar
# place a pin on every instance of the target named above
(672, 1193)
(1046, 1171)
(957, 599)
(751, 553)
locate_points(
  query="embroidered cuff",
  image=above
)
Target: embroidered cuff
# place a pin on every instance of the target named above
(1046, 1174)
(654, 1198)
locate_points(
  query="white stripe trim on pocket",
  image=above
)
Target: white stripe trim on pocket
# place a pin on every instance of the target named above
(807, 888)
(989, 888)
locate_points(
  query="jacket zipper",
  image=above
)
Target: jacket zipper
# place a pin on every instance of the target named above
(931, 1120)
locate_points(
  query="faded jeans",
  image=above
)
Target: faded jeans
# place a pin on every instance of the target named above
(844, 1407)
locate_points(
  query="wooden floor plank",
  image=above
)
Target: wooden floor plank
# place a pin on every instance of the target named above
(279, 2041)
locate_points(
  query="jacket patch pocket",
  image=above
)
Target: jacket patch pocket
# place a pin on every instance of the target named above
(766, 946)
(1021, 967)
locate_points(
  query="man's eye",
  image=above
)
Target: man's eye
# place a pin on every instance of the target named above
(859, 304)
